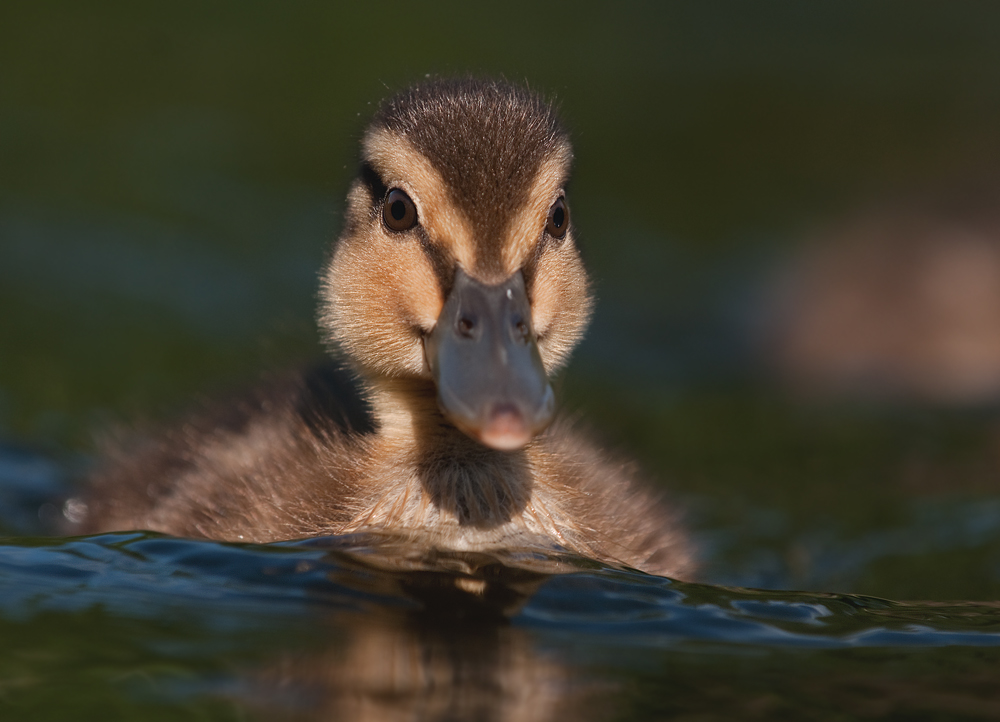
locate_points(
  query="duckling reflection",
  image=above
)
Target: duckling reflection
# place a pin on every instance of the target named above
(394, 669)
(454, 294)
(451, 654)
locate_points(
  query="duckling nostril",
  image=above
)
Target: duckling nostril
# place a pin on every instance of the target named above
(465, 326)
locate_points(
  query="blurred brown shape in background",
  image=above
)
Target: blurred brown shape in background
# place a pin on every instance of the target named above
(900, 302)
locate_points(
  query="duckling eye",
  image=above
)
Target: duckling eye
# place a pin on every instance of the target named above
(398, 211)
(558, 219)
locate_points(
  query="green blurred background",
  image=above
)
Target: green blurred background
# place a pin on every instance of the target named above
(171, 176)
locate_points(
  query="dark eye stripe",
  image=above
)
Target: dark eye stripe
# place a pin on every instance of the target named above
(371, 179)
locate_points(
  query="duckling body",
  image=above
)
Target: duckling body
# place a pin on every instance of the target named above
(454, 293)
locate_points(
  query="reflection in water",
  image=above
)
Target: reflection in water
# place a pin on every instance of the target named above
(446, 649)
(389, 668)
(447, 652)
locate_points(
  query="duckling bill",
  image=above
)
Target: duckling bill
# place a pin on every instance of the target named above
(491, 382)
(454, 293)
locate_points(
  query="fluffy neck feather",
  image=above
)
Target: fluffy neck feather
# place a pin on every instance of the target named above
(434, 475)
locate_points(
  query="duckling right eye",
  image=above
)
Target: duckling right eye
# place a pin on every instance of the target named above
(558, 219)
(398, 211)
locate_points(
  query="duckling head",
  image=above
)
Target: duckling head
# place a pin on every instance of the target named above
(457, 265)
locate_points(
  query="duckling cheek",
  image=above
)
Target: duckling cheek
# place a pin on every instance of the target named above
(483, 357)
(377, 299)
(561, 304)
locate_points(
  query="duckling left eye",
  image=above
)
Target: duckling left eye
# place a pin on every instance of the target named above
(398, 211)
(558, 219)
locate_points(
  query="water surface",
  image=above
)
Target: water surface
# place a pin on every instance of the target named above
(368, 628)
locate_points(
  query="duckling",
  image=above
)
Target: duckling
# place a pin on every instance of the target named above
(455, 292)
